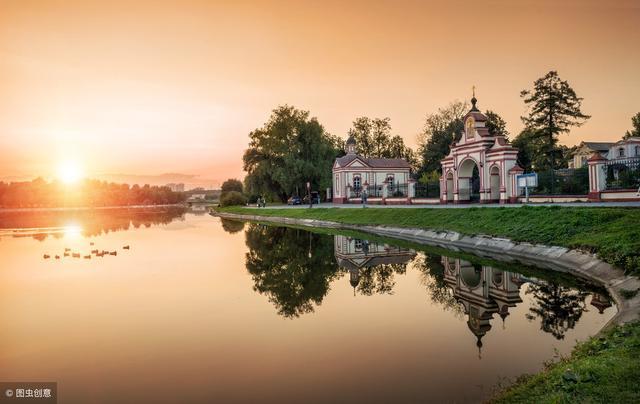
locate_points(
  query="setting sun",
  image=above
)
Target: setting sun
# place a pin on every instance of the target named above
(69, 172)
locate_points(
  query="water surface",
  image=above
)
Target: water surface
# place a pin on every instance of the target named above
(200, 309)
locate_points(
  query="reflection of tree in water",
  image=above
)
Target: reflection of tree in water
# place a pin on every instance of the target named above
(559, 308)
(433, 279)
(292, 267)
(232, 226)
(90, 222)
(379, 279)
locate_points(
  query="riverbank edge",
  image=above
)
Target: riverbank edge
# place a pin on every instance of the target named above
(580, 264)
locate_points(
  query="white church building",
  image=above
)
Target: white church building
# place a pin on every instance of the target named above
(385, 181)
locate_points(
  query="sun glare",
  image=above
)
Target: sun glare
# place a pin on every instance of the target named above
(69, 172)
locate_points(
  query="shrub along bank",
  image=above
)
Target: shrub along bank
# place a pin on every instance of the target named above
(604, 369)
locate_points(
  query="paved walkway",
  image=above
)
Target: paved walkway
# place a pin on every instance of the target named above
(464, 206)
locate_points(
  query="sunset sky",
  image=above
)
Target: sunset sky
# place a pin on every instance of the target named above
(152, 87)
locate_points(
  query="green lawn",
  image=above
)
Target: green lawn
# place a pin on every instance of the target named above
(604, 369)
(613, 233)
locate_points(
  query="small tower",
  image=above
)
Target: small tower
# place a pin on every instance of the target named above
(354, 278)
(474, 100)
(351, 145)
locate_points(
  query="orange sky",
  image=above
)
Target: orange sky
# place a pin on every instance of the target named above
(149, 87)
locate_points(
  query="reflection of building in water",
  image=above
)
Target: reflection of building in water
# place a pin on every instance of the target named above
(355, 254)
(483, 291)
(600, 302)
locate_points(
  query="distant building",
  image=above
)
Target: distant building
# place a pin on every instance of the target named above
(626, 148)
(622, 149)
(176, 187)
(353, 173)
(586, 150)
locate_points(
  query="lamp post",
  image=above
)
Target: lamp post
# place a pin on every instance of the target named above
(309, 194)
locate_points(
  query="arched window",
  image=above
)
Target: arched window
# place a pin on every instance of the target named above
(621, 152)
(358, 245)
(356, 182)
(390, 183)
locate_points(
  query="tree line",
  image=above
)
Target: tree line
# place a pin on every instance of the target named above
(89, 193)
(293, 148)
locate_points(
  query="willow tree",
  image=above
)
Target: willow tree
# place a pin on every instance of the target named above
(290, 150)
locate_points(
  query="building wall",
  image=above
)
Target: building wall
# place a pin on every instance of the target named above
(630, 148)
(374, 177)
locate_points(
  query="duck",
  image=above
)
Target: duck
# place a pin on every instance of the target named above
(66, 254)
(125, 247)
(113, 253)
(100, 254)
(46, 256)
(75, 255)
(94, 251)
(91, 243)
(87, 257)
(57, 257)
(67, 249)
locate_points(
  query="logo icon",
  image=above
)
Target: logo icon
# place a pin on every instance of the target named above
(8, 393)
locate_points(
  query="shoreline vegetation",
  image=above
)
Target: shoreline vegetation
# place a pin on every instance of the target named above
(89, 208)
(603, 368)
(613, 234)
(86, 193)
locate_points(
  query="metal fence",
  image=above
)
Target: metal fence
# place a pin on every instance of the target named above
(374, 191)
(398, 191)
(623, 173)
(427, 190)
(567, 181)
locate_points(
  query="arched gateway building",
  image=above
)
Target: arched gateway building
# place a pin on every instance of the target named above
(480, 167)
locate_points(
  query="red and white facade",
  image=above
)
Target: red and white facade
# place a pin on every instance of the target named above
(494, 158)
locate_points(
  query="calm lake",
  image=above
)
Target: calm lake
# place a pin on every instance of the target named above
(200, 309)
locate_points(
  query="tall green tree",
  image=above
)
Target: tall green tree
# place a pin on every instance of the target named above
(635, 127)
(439, 131)
(496, 125)
(289, 150)
(553, 109)
(374, 139)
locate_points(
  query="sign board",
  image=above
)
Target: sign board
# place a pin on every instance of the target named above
(527, 180)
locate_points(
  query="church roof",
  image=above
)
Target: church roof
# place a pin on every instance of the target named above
(599, 146)
(373, 162)
(477, 116)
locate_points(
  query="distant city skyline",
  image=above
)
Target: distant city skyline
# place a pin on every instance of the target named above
(146, 88)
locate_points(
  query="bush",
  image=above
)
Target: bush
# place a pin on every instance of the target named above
(232, 185)
(232, 198)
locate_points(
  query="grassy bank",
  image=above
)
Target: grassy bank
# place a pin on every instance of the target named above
(612, 233)
(602, 369)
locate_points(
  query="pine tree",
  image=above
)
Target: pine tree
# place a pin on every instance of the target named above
(554, 108)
